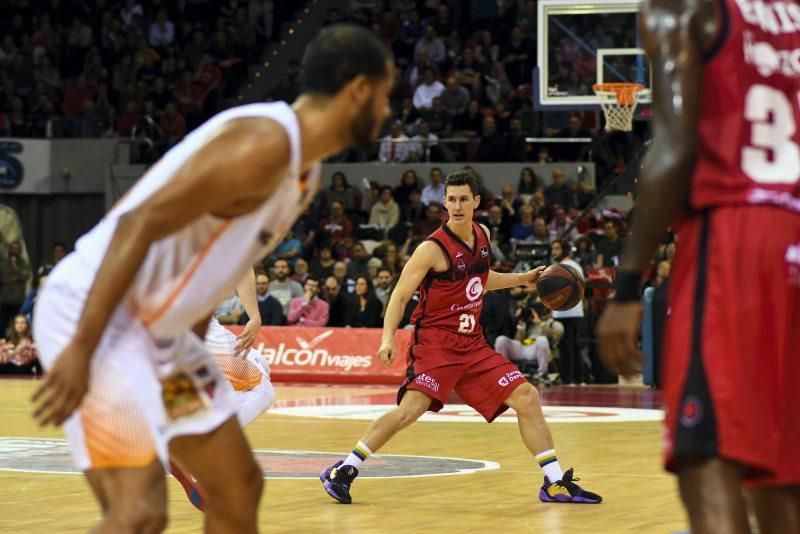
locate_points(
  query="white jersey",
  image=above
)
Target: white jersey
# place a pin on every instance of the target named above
(187, 273)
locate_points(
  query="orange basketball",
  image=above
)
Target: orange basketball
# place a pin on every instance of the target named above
(560, 287)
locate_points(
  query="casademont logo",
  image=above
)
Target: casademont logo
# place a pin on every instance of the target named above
(307, 353)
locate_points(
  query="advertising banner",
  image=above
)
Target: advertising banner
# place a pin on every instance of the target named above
(329, 355)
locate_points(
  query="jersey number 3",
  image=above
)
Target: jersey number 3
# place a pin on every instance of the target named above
(773, 157)
(467, 323)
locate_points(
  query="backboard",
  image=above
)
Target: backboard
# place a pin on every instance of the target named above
(580, 44)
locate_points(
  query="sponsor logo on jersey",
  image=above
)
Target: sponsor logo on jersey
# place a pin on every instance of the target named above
(691, 412)
(460, 265)
(513, 376)
(775, 18)
(306, 354)
(459, 254)
(484, 252)
(793, 254)
(768, 61)
(474, 289)
(427, 381)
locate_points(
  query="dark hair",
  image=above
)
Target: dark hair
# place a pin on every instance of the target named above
(386, 188)
(566, 248)
(312, 278)
(338, 54)
(462, 178)
(344, 179)
(388, 270)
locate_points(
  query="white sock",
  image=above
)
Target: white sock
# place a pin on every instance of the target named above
(549, 464)
(360, 453)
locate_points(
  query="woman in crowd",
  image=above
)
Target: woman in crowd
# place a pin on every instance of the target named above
(17, 352)
(364, 309)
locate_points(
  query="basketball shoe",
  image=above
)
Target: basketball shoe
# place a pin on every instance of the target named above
(337, 479)
(565, 490)
(193, 489)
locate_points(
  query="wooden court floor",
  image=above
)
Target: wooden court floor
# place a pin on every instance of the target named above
(619, 460)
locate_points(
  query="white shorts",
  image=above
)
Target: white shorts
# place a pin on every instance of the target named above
(244, 373)
(142, 392)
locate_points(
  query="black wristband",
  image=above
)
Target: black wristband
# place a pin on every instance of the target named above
(627, 287)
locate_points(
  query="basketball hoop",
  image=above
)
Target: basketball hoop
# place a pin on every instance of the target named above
(619, 101)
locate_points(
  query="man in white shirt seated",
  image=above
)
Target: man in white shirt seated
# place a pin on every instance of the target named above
(434, 192)
(422, 143)
(427, 90)
(396, 146)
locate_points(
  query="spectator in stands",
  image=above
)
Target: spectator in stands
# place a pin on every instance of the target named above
(391, 259)
(337, 302)
(527, 184)
(173, 125)
(337, 226)
(662, 273)
(424, 145)
(560, 223)
(364, 309)
(162, 31)
(359, 260)
(522, 231)
(469, 123)
(289, 249)
(440, 122)
(386, 213)
(408, 183)
(322, 266)
(395, 147)
(538, 202)
(559, 192)
(342, 192)
(411, 213)
(434, 192)
(427, 90)
(268, 306)
(536, 331)
(540, 233)
(509, 205)
(282, 287)
(574, 129)
(610, 247)
(517, 58)
(383, 289)
(431, 222)
(585, 254)
(230, 311)
(340, 273)
(30, 299)
(569, 355)
(58, 251)
(455, 98)
(492, 145)
(14, 275)
(516, 146)
(18, 352)
(432, 45)
(300, 269)
(88, 124)
(308, 309)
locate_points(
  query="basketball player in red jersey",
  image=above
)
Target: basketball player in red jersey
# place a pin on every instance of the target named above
(724, 170)
(451, 269)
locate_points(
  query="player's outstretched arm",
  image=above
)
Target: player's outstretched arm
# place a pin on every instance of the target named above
(673, 33)
(497, 281)
(425, 258)
(247, 294)
(233, 173)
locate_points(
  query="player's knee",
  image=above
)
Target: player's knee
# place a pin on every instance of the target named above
(147, 516)
(526, 399)
(246, 489)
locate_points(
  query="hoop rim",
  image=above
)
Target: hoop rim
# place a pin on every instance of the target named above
(618, 87)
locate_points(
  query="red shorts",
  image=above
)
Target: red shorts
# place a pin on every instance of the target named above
(732, 343)
(441, 361)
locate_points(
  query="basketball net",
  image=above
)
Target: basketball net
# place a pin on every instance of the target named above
(619, 101)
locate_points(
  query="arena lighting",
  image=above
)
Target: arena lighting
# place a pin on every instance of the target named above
(258, 74)
(291, 31)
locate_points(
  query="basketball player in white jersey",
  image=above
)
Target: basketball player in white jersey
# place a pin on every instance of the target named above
(243, 367)
(126, 374)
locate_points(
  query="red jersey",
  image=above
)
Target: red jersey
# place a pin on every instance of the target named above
(749, 125)
(453, 299)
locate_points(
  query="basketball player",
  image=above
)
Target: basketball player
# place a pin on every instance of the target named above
(114, 325)
(725, 171)
(451, 269)
(243, 367)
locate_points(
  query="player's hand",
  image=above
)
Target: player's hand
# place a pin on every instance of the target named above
(387, 352)
(64, 386)
(617, 333)
(247, 337)
(532, 276)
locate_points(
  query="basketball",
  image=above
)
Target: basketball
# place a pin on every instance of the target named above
(560, 287)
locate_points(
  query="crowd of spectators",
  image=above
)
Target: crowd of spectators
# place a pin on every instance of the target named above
(92, 68)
